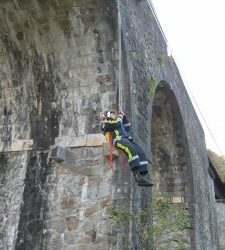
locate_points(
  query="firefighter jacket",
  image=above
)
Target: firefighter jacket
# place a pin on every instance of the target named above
(113, 128)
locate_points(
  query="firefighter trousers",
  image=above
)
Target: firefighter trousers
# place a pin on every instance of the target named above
(136, 156)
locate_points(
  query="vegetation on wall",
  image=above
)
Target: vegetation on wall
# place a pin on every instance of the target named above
(152, 85)
(160, 58)
(132, 54)
(218, 162)
(162, 231)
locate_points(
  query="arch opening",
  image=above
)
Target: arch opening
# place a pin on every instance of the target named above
(170, 151)
(171, 166)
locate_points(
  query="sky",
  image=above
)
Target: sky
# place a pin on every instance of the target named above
(195, 31)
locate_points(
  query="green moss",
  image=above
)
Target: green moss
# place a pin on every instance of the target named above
(152, 85)
(132, 54)
(161, 58)
(120, 215)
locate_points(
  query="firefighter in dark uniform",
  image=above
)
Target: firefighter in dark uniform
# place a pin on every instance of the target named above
(143, 158)
(114, 129)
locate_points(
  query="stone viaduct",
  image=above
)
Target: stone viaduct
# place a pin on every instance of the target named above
(62, 63)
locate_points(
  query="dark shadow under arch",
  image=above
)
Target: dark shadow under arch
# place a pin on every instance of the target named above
(171, 167)
(170, 151)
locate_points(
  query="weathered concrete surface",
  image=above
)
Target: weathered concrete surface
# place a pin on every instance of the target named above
(59, 69)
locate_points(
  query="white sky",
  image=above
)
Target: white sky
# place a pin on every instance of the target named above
(195, 30)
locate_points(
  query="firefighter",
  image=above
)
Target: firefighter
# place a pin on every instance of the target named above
(143, 158)
(114, 130)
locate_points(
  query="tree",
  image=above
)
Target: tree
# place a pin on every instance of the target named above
(218, 162)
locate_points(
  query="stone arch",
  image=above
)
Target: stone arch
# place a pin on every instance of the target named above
(171, 164)
(170, 151)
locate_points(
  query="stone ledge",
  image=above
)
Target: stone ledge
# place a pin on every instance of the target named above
(61, 153)
(89, 140)
(57, 153)
(19, 145)
(95, 140)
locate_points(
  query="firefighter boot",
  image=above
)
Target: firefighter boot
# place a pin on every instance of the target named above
(142, 179)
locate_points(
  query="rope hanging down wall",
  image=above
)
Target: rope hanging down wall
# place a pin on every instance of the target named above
(120, 59)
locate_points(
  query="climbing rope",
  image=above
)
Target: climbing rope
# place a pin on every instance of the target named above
(110, 150)
(122, 156)
(120, 59)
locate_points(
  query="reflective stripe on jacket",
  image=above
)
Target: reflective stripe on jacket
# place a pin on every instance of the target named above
(114, 127)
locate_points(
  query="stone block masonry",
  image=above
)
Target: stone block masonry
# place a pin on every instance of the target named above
(59, 69)
(79, 190)
(65, 196)
(58, 65)
(220, 208)
(12, 174)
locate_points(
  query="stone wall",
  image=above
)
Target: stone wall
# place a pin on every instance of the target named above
(145, 45)
(79, 190)
(55, 56)
(59, 68)
(58, 71)
(12, 175)
(220, 208)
